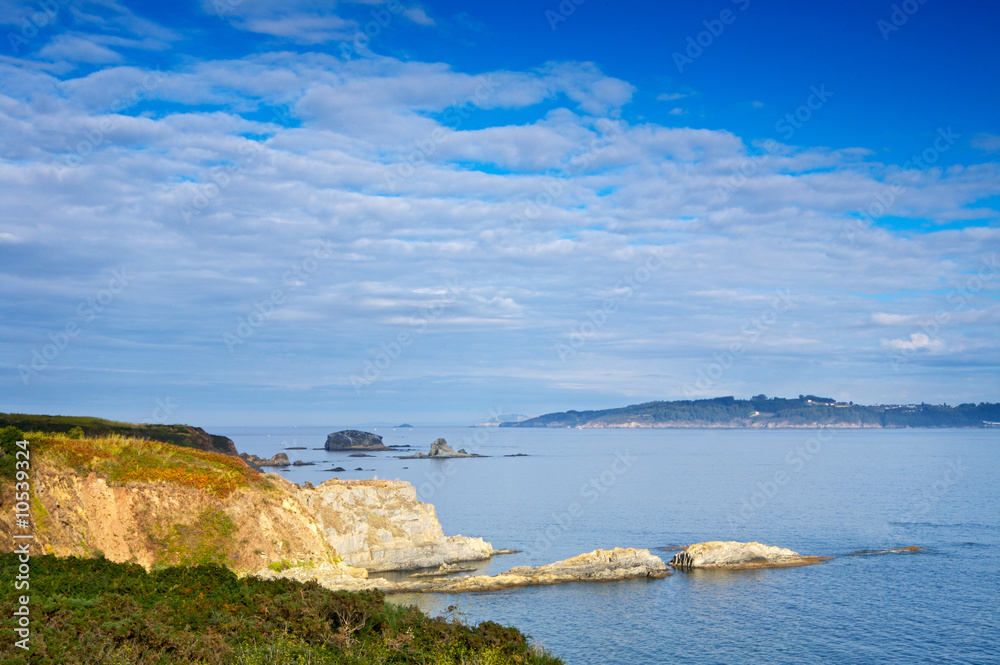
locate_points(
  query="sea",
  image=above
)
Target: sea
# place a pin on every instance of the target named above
(854, 495)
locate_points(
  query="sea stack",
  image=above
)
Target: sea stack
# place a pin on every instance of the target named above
(353, 439)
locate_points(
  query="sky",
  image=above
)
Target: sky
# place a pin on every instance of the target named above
(247, 212)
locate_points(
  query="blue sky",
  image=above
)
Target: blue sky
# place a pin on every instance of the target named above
(246, 212)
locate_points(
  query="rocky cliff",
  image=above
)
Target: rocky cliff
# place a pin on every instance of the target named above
(154, 503)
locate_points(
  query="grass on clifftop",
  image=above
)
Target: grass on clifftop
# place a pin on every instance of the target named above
(94, 611)
(179, 435)
(126, 460)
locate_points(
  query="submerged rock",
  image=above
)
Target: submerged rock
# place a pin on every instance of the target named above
(733, 555)
(353, 439)
(891, 550)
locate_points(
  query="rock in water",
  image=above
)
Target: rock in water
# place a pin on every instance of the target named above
(734, 555)
(352, 439)
(440, 448)
(280, 459)
(596, 566)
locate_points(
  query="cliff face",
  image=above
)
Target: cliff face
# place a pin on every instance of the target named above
(379, 525)
(258, 520)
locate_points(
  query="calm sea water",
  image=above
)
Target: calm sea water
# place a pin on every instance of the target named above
(830, 493)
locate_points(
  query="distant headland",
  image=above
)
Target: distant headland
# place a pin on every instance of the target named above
(764, 412)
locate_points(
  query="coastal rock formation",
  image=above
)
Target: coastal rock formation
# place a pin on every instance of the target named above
(597, 566)
(280, 459)
(732, 555)
(184, 506)
(441, 450)
(379, 525)
(352, 439)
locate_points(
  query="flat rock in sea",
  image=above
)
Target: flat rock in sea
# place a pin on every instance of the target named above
(733, 555)
(597, 566)
(352, 439)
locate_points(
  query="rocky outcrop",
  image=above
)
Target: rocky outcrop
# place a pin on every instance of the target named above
(441, 450)
(379, 525)
(280, 459)
(597, 566)
(732, 555)
(191, 507)
(353, 439)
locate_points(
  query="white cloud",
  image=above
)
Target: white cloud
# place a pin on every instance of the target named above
(916, 342)
(986, 142)
(78, 49)
(418, 15)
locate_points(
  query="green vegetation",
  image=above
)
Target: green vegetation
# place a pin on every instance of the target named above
(759, 411)
(122, 460)
(94, 611)
(9, 436)
(204, 541)
(80, 426)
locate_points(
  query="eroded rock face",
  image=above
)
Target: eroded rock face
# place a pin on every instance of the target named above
(353, 439)
(380, 525)
(735, 555)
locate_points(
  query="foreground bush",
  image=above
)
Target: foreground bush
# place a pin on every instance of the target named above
(95, 611)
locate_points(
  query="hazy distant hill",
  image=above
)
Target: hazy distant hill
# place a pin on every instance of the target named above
(761, 411)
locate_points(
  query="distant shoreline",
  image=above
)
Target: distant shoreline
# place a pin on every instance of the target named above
(761, 412)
